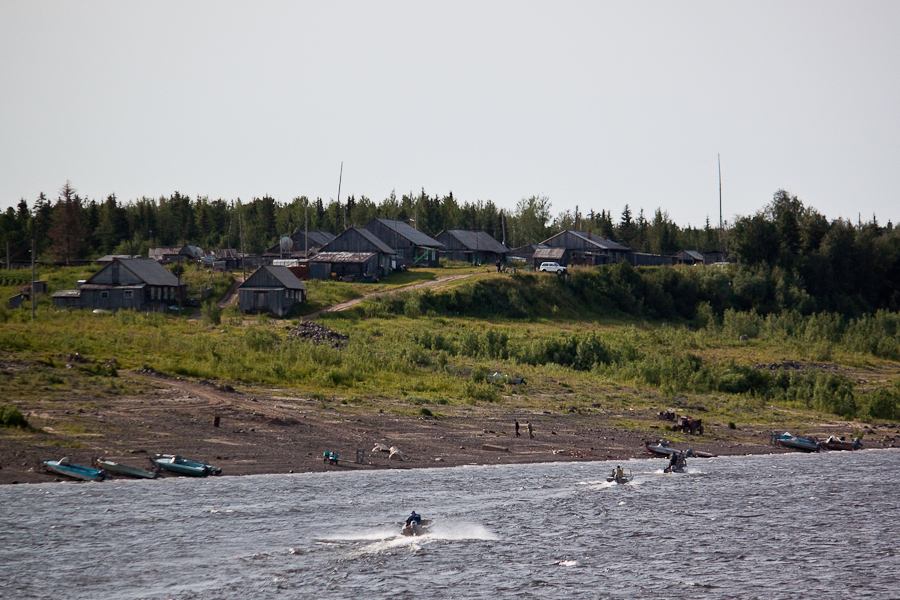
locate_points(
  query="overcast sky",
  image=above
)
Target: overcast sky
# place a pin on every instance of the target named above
(595, 104)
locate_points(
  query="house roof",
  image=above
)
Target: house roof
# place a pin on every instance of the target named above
(412, 234)
(477, 240)
(554, 253)
(375, 240)
(67, 294)
(692, 254)
(342, 257)
(147, 270)
(593, 239)
(282, 275)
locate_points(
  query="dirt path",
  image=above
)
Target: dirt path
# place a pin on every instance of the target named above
(355, 301)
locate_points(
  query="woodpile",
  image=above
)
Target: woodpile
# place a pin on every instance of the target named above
(317, 334)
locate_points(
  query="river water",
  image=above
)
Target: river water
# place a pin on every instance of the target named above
(778, 526)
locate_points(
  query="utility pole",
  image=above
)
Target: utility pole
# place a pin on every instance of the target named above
(306, 234)
(721, 249)
(503, 224)
(243, 266)
(33, 244)
(340, 179)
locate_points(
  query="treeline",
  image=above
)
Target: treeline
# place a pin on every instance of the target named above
(74, 227)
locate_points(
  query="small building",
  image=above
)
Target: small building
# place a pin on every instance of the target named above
(644, 259)
(689, 257)
(132, 283)
(413, 248)
(345, 265)
(271, 289)
(476, 247)
(557, 255)
(170, 254)
(586, 248)
(303, 243)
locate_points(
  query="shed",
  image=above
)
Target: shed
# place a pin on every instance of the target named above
(354, 265)
(271, 289)
(540, 255)
(477, 247)
(689, 257)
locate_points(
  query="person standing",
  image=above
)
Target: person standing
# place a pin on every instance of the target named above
(530, 430)
(517, 429)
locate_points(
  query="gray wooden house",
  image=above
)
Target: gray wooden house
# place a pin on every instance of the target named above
(585, 248)
(689, 257)
(130, 283)
(271, 289)
(354, 253)
(471, 247)
(413, 247)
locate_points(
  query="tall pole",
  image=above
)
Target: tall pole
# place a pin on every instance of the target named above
(340, 178)
(306, 233)
(33, 294)
(721, 250)
(243, 266)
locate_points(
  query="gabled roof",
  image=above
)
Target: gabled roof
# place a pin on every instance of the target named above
(412, 234)
(477, 240)
(318, 237)
(593, 239)
(145, 269)
(282, 275)
(549, 253)
(692, 254)
(375, 240)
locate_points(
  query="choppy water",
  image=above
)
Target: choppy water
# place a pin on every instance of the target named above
(780, 526)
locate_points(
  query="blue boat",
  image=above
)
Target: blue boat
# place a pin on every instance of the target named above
(64, 467)
(177, 464)
(797, 443)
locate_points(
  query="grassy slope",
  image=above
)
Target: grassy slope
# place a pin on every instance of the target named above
(393, 361)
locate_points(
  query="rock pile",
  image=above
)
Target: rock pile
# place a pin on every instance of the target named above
(317, 334)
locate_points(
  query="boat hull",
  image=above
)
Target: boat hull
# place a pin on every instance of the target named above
(183, 466)
(839, 444)
(797, 443)
(120, 469)
(75, 471)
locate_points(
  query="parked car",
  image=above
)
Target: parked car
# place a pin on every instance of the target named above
(552, 267)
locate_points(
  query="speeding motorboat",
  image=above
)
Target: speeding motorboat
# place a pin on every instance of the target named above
(420, 528)
(619, 477)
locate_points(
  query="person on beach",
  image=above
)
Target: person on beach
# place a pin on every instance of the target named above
(530, 430)
(517, 429)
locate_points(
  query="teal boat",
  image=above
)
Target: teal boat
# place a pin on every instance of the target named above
(64, 467)
(177, 464)
(120, 469)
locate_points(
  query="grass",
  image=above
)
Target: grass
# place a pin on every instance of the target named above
(403, 357)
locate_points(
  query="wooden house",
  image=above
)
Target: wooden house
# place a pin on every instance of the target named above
(355, 252)
(131, 283)
(689, 257)
(170, 254)
(585, 248)
(413, 247)
(271, 289)
(476, 247)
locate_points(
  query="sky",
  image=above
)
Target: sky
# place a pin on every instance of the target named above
(592, 104)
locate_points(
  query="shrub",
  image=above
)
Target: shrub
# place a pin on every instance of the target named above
(212, 314)
(10, 416)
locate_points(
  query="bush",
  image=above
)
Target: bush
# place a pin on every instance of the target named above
(212, 314)
(10, 416)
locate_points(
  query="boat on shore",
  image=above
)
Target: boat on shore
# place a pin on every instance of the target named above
(120, 469)
(183, 466)
(64, 467)
(797, 443)
(839, 443)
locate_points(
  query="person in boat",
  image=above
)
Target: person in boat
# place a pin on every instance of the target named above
(673, 460)
(414, 520)
(618, 473)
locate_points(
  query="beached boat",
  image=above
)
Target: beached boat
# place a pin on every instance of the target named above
(659, 449)
(839, 443)
(797, 443)
(64, 467)
(183, 466)
(120, 469)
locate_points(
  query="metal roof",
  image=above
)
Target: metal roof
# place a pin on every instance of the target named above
(593, 239)
(375, 240)
(147, 270)
(285, 276)
(412, 234)
(477, 240)
(342, 257)
(67, 294)
(554, 253)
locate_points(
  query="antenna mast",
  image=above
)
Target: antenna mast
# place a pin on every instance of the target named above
(340, 178)
(721, 251)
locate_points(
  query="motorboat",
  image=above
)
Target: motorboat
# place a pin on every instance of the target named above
(420, 528)
(183, 466)
(797, 443)
(676, 468)
(665, 451)
(64, 467)
(620, 478)
(120, 469)
(839, 443)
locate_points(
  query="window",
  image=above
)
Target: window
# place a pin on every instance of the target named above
(104, 294)
(129, 293)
